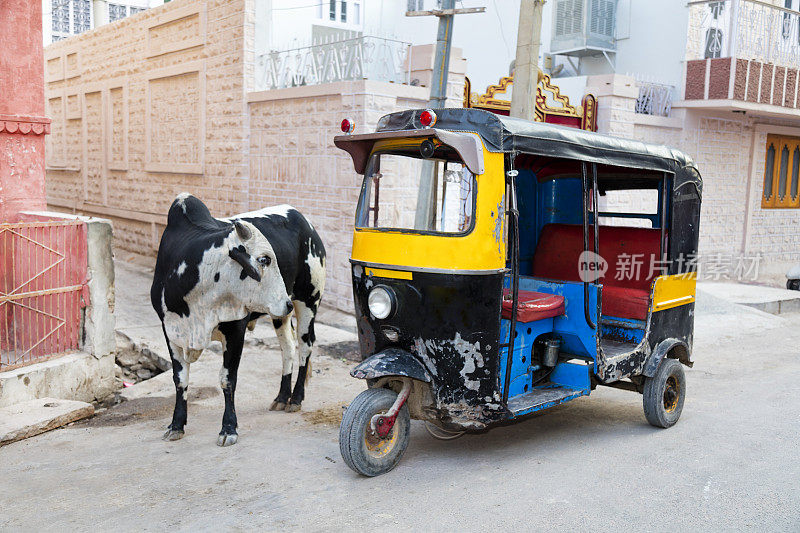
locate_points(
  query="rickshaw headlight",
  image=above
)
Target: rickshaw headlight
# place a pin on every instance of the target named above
(381, 302)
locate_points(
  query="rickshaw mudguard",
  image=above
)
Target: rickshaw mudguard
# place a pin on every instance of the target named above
(662, 349)
(391, 362)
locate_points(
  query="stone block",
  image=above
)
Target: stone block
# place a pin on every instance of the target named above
(26, 419)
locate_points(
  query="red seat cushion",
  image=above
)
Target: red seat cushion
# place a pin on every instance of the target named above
(560, 246)
(533, 305)
(625, 303)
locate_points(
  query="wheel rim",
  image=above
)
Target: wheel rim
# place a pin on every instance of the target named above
(378, 447)
(672, 393)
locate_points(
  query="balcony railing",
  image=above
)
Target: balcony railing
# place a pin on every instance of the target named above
(745, 29)
(371, 58)
(654, 98)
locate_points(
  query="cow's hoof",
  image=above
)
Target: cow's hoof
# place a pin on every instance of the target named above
(292, 407)
(227, 440)
(277, 406)
(173, 434)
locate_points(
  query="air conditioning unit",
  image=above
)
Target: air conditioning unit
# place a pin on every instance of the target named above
(583, 27)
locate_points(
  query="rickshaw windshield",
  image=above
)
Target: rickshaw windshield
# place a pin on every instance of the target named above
(402, 191)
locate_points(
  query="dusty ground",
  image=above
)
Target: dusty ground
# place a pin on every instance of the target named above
(730, 463)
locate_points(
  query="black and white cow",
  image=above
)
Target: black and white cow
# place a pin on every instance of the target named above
(215, 277)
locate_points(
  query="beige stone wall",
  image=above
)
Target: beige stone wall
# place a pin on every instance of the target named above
(293, 160)
(148, 107)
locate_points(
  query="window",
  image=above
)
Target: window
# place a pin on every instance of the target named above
(70, 17)
(781, 172)
(356, 13)
(393, 196)
(116, 12)
(332, 9)
(343, 13)
(81, 16)
(633, 207)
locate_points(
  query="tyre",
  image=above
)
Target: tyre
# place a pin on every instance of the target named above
(664, 394)
(365, 452)
(793, 284)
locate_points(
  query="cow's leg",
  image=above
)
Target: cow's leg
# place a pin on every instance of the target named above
(233, 334)
(283, 328)
(305, 331)
(180, 376)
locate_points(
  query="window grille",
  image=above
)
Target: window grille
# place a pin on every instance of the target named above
(116, 12)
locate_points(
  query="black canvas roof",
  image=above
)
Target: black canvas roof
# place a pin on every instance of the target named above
(510, 135)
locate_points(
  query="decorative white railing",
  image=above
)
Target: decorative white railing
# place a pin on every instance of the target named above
(371, 58)
(654, 98)
(747, 29)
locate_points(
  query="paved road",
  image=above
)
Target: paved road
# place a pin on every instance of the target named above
(730, 463)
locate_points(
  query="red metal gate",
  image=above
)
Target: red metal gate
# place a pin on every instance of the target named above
(42, 290)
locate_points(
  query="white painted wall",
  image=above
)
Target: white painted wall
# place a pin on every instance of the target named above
(651, 43)
(488, 39)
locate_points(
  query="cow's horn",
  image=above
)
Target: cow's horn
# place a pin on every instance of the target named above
(243, 231)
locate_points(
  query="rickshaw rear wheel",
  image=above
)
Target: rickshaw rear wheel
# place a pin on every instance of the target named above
(664, 394)
(364, 451)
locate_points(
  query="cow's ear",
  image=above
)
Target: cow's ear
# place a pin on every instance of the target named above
(239, 255)
(243, 231)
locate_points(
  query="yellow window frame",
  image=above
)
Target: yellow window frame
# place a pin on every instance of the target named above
(791, 146)
(482, 249)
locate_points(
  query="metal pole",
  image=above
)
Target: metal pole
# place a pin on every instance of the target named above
(426, 196)
(585, 203)
(441, 62)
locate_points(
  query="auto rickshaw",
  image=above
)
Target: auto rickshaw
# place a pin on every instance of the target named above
(486, 274)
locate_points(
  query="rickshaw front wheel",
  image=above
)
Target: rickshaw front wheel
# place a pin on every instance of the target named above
(363, 449)
(664, 394)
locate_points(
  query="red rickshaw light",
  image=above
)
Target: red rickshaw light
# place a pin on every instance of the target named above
(348, 125)
(427, 118)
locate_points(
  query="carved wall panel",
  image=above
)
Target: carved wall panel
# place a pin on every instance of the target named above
(54, 68)
(94, 176)
(117, 125)
(73, 109)
(72, 64)
(175, 119)
(54, 143)
(177, 30)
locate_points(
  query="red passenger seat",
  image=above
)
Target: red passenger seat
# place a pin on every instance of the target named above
(533, 305)
(560, 246)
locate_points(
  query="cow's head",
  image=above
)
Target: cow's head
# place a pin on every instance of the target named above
(253, 252)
